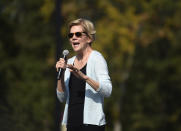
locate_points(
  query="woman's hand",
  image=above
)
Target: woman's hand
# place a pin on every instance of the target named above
(94, 84)
(61, 64)
(77, 72)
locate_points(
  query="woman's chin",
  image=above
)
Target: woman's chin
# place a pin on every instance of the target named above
(76, 49)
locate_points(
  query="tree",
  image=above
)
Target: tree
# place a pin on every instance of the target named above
(27, 69)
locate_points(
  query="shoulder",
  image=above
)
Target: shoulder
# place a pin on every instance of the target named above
(98, 62)
(96, 55)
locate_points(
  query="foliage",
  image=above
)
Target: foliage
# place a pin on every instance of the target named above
(27, 56)
(139, 39)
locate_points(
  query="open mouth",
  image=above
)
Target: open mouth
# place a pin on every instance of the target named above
(76, 43)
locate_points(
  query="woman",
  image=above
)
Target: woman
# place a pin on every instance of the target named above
(86, 81)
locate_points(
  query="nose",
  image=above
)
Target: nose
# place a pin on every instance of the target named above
(74, 37)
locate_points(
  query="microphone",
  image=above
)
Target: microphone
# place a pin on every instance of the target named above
(65, 53)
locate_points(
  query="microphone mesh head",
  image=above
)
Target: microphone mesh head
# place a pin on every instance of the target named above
(65, 52)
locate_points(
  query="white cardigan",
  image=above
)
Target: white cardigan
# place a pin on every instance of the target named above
(93, 105)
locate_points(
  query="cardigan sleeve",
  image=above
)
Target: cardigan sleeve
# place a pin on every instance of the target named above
(101, 70)
(61, 96)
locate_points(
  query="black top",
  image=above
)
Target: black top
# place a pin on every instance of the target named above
(76, 99)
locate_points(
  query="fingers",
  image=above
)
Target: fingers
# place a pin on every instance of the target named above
(61, 64)
(72, 68)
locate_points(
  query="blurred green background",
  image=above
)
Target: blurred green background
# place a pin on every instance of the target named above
(140, 40)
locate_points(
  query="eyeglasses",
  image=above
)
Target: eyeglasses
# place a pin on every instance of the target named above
(77, 34)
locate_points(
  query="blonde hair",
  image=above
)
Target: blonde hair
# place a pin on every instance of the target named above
(87, 25)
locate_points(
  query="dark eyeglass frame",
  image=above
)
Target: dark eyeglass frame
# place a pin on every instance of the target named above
(77, 34)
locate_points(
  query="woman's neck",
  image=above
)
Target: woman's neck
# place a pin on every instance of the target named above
(82, 58)
(84, 54)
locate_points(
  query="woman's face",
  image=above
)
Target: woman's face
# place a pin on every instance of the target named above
(78, 38)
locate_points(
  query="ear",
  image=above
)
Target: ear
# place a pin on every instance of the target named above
(89, 40)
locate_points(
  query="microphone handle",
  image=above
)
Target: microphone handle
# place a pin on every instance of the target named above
(60, 72)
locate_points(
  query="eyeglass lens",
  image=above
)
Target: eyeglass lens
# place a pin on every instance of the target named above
(77, 34)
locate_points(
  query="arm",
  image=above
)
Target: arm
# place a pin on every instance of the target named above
(94, 84)
(103, 85)
(101, 70)
(60, 83)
